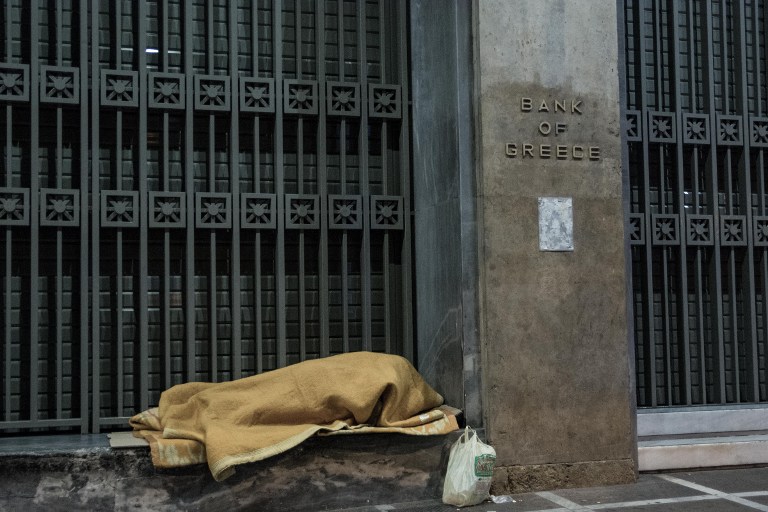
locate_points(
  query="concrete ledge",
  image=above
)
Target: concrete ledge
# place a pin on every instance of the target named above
(532, 478)
(661, 454)
(700, 421)
(321, 474)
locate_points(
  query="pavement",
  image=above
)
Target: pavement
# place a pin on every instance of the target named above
(722, 490)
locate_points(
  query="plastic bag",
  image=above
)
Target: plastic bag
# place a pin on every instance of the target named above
(470, 468)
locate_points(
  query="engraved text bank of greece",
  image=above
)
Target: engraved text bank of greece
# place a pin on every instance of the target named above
(550, 129)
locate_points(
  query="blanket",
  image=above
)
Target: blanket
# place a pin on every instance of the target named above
(251, 419)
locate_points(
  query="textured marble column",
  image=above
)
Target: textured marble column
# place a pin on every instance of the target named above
(557, 390)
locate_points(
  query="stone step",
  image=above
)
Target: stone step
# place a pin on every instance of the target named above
(703, 451)
(323, 473)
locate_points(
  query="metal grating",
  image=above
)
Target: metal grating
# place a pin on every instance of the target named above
(697, 97)
(196, 190)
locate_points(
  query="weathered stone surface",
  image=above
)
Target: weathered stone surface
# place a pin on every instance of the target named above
(554, 324)
(322, 473)
(531, 478)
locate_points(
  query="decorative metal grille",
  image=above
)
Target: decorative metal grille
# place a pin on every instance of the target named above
(194, 190)
(697, 73)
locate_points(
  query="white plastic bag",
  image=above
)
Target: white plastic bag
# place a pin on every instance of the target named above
(470, 468)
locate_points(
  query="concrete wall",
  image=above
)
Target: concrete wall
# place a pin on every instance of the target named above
(558, 398)
(445, 233)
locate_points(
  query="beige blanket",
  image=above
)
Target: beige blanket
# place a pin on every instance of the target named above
(250, 419)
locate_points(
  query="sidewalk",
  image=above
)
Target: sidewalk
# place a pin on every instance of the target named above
(724, 490)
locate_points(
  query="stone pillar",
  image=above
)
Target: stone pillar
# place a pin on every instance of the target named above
(557, 382)
(445, 230)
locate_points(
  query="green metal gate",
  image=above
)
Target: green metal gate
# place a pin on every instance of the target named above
(697, 136)
(195, 190)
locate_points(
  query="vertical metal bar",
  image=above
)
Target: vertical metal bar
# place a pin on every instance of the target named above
(666, 333)
(255, 38)
(385, 186)
(95, 235)
(257, 188)
(302, 299)
(340, 37)
(119, 278)
(343, 178)
(59, 169)
(699, 253)
(405, 185)
(649, 341)
(8, 344)
(699, 286)
(345, 290)
(59, 238)
(733, 292)
(119, 308)
(749, 275)
(277, 30)
(8, 35)
(143, 327)
(258, 318)
(189, 187)
(658, 57)
(59, 33)
(213, 320)
(302, 255)
(8, 285)
(209, 37)
(300, 175)
(763, 254)
(730, 209)
(234, 173)
(166, 172)
(166, 259)
(715, 263)
(119, 341)
(732, 287)
(84, 299)
(322, 177)
(384, 49)
(365, 250)
(724, 54)
(682, 296)
(297, 31)
(730, 200)
(344, 238)
(34, 203)
(694, 107)
(59, 316)
(163, 36)
(757, 60)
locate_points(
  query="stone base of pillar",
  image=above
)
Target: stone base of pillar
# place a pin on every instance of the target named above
(541, 477)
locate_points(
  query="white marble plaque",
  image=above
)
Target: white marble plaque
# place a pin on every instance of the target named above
(555, 224)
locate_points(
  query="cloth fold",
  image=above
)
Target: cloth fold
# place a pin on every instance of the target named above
(231, 423)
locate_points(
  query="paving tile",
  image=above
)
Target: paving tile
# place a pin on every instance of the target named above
(763, 500)
(695, 506)
(729, 480)
(648, 487)
(522, 503)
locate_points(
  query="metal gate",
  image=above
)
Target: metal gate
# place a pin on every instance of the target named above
(697, 135)
(195, 190)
